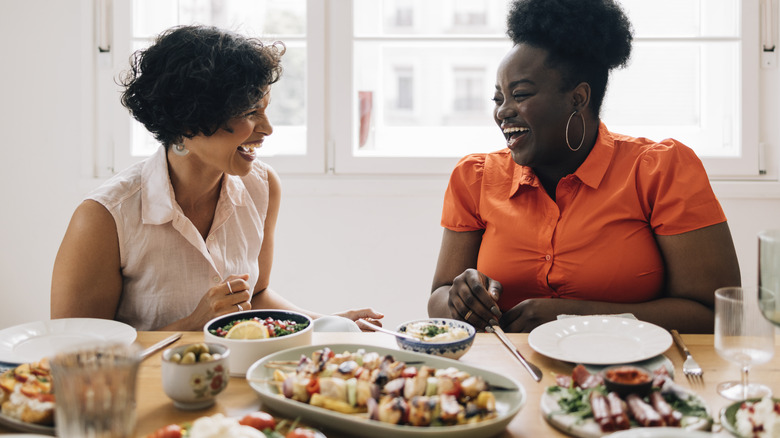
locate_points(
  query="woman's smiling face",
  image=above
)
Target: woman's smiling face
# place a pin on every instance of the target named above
(531, 107)
(232, 148)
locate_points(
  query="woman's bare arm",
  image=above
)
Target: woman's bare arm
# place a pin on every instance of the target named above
(86, 280)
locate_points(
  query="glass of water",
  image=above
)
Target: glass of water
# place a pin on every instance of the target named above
(769, 274)
(743, 337)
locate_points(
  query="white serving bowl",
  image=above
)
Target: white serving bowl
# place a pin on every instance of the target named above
(245, 352)
(195, 385)
(451, 349)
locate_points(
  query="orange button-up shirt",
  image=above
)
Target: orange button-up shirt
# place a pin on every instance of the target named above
(596, 241)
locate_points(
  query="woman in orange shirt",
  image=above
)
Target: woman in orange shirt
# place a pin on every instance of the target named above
(610, 223)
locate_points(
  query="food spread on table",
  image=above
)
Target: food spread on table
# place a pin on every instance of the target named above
(257, 328)
(258, 424)
(758, 419)
(26, 393)
(584, 400)
(387, 390)
(428, 331)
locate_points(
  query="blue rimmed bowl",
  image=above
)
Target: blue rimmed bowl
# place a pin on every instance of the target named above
(452, 349)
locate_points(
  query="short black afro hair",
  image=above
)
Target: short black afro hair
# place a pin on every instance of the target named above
(193, 79)
(585, 39)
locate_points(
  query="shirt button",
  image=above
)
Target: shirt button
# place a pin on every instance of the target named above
(216, 279)
(548, 257)
(211, 237)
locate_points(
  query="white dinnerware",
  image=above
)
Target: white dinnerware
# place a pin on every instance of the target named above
(32, 341)
(599, 340)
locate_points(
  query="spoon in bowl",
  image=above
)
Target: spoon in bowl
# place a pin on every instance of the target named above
(384, 330)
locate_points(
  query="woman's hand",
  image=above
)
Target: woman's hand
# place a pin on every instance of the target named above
(222, 299)
(368, 314)
(473, 297)
(534, 312)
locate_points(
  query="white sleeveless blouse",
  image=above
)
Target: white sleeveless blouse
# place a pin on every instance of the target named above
(166, 264)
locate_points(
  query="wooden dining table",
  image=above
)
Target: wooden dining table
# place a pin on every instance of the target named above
(155, 409)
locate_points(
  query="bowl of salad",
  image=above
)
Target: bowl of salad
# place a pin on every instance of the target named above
(253, 334)
(437, 336)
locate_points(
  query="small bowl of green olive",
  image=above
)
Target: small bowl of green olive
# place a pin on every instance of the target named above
(193, 374)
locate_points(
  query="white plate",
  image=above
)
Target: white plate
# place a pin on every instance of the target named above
(575, 426)
(599, 340)
(33, 341)
(660, 432)
(508, 403)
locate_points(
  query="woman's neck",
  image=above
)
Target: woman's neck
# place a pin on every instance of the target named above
(196, 190)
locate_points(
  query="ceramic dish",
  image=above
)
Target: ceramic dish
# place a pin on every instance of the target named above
(244, 352)
(21, 426)
(452, 349)
(728, 416)
(508, 403)
(600, 340)
(588, 428)
(33, 341)
(660, 432)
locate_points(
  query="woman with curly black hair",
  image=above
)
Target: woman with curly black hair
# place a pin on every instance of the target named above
(571, 218)
(186, 235)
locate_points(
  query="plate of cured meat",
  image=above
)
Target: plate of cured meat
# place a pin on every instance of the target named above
(581, 406)
(373, 391)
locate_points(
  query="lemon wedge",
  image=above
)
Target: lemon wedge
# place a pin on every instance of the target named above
(247, 330)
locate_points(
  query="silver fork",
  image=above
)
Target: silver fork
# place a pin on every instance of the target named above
(691, 369)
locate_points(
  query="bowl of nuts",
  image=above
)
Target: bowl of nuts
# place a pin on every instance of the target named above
(193, 374)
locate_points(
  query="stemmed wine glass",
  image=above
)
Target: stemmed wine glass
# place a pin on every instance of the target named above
(743, 337)
(769, 274)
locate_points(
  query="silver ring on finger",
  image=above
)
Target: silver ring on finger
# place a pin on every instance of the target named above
(239, 307)
(227, 283)
(468, 315)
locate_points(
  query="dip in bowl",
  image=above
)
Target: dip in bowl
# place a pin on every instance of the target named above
(254, 336)
(627, 379)
(437, 336)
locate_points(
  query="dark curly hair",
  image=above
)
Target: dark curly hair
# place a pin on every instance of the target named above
(193, 79)
(585, 39)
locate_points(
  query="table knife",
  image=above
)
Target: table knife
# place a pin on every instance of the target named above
(165, 342)
(536, 373)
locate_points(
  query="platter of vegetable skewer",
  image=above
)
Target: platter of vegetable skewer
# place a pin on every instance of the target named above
(374, 391)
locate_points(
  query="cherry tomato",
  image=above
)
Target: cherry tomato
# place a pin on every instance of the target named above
(259, 420)
(313, 386)
(300, 432)
(409, 372)
(170, 431)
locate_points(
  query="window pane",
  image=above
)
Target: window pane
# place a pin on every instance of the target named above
(683, 18)
(426, 99)
(429, 17)
(694, 97)
(268, 20)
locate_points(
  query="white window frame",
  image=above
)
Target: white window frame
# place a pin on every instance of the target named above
(331, 105)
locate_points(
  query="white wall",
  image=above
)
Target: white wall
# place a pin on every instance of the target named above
(342, 241)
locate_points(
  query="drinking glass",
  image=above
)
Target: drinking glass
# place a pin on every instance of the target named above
(95, 389)
(769, 274)
(744, 337)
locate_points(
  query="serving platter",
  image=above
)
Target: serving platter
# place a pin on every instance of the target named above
(31, 342)
(728, 416)
(21, 426)
(588, 428)
(599, 340)
(508, 403)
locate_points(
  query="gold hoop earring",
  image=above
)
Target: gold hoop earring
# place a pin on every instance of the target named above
(567, 132)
